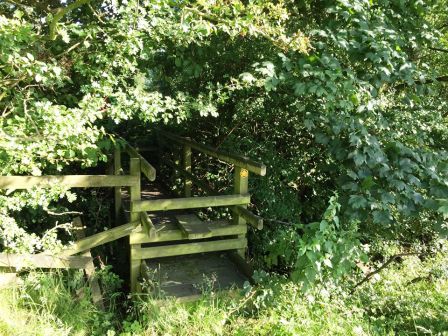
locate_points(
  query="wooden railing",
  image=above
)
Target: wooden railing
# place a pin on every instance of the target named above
(67, 259)
(242, 167)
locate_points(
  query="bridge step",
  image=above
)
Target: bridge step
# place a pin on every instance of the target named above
(193, 226)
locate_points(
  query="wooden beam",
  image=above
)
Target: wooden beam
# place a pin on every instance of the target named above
(241, 185)
(182, 249)
(135, 196)
(189, 203)
(218, 228)
(254, 220)
(238, 160)
(72, 181)
(117, 190)
(43, 261)
(100, 239)
(146, 168)
(97, 297)
(148, 225)
(187, 167)
(193, 226)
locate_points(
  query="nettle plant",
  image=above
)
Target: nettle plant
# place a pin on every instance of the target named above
(321, 251)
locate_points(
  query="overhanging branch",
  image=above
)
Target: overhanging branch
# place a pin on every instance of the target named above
(60, 12)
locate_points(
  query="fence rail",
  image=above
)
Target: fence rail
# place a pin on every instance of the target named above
(72, 181)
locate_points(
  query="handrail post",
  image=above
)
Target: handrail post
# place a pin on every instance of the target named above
(117, 190)
(187, 167)
(135, 195)
(241, 182)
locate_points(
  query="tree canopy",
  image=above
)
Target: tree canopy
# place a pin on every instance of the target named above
(345, 101)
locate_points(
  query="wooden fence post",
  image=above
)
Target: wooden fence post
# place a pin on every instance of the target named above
(97, 297)
(240, 179)
(135, 195)
(187, 168)
(117, 190)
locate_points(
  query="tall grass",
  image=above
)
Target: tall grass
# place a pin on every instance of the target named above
(408, 298)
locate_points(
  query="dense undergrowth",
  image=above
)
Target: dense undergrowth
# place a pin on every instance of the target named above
(410, 297)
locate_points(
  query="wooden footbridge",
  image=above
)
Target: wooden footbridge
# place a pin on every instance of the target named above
(167, 240)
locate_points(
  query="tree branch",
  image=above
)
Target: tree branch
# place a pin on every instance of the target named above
(383, 266)
(60, 12)
(438, 49)
(429, 81)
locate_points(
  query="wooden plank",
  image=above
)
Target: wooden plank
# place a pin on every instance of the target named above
(241, 185)
(148, 225)
(100, 239)
(185, 276)
(238, 160)
(117, 191)
(189, 203)
(193, 226)
(187, 167)
(43, 261)
(72, 181)
(146, 168)
(134, 195)
(97, 297)
(182, 249)
(218, 229)
(242, 265)
(254, 220)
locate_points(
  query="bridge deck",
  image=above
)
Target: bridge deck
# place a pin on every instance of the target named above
(192, 275)
(181, 274)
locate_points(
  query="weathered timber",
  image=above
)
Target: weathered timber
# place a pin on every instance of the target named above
(72, 181)
(146, 168)
(218, 228)
(43, 261)
(100, 239)
(187, 167)
(254, 220)
(183, 276)
(135, 195)
(97, 297)
(117, 190)
(193, 226)
(189, 203)
(238, 160)
(241, 185)
(191, 248)
(148, 225)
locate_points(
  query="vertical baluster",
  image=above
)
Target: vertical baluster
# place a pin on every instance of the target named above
(117, 190)
(135, 195)
(187, 167)
(240, 179)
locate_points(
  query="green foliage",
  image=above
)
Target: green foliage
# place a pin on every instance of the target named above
(71, 72)
(320, 251)
(405, 298)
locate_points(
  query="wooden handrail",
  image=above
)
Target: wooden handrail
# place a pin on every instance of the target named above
(254, 220)
(146, 168)
(189, 203)
(71, 181)
(238, 160)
